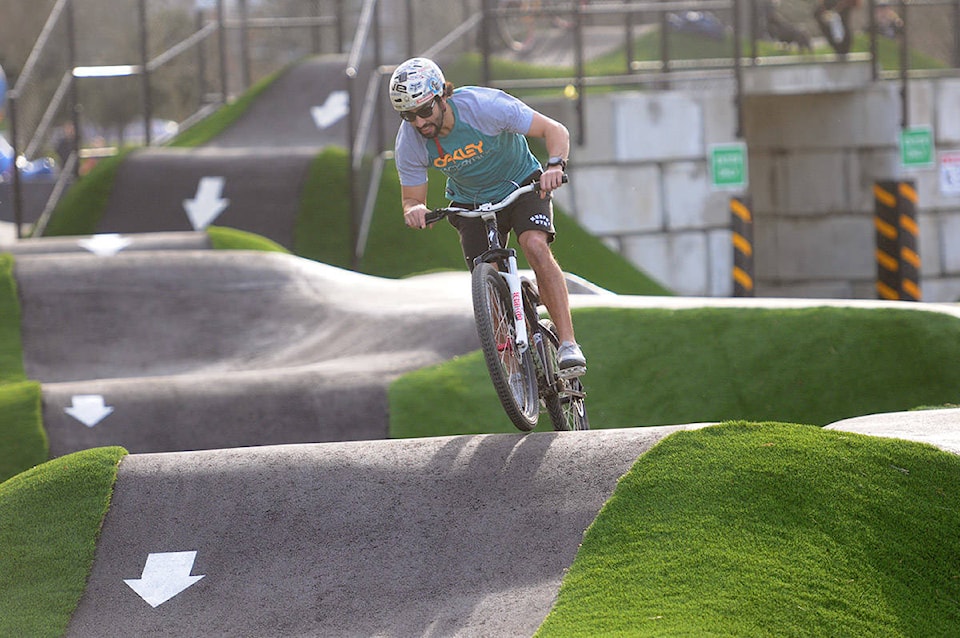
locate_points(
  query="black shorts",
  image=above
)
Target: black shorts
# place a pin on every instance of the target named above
(529, 212)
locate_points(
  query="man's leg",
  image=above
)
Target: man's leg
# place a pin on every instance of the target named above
(550, 281)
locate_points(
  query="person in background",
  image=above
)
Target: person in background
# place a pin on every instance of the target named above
(476, 137)
(833, 16)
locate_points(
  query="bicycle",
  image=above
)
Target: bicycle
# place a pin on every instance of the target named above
(506, 308)
(519, 21)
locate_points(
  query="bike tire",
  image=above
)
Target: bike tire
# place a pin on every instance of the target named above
(564, 399)
(518, 31)
(513, 374)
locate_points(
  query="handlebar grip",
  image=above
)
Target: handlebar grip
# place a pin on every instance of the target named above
(564, 180)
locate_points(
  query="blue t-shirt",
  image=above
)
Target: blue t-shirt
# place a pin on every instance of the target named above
(484, 156)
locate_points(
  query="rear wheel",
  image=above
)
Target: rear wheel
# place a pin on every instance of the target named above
(564, 399)
(513, 373)
(518, 27)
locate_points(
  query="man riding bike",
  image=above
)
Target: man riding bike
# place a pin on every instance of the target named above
(476, 137)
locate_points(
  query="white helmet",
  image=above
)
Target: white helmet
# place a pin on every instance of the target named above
(415, 83)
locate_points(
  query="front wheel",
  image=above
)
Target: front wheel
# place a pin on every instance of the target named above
(513, 373)
(565, 399)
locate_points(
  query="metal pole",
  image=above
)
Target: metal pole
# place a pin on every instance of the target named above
(341, 19)
(741, 219)
(244, 46)
(581, 85)
(874, 46)
(909, 232)
(956, 33)
(378, 60)
(664, 46)
(411, 41)
(904, 66)
(12, 99)
(887, 239)
(315, 30)
(201, 61)
(222, 51)
(145, 74)
(486, 32)
(74, 91)
(737, 68)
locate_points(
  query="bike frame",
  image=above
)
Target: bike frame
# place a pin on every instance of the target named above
(506, 258)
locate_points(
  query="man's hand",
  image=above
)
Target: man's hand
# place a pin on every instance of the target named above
(550, 179)
(414, 216)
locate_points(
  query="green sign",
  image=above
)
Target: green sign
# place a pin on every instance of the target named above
(916, 147)
(728, 166)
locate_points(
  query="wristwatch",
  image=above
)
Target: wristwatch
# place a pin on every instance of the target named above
(557, 161)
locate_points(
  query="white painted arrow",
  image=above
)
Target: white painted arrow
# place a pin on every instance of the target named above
(336, 106)
(89, 409)
(165, 575)
(207, 205)
(105, 244)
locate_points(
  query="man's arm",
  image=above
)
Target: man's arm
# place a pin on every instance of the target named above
(557, 139)
(414, 200)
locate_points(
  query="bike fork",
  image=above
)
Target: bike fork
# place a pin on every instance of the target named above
(512, 278)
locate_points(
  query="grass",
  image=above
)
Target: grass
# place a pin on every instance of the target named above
(82, 206)
(50, 518)
(771, 530)
(11, 350)
(223, 238)
(660, 367)
(25, 440)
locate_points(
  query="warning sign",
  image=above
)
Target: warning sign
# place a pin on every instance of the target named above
(950, 172)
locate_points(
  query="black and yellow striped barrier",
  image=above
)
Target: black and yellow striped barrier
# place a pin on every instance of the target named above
(897, 235)
(742, 225)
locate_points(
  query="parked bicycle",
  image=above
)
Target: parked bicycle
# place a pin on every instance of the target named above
(519, 346)
(520, 21)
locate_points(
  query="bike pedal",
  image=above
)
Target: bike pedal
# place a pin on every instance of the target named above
(572, 372)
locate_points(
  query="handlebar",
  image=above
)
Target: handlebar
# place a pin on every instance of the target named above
(435, 215)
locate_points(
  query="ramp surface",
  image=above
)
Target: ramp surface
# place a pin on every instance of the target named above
(282, 349)
(458, 536)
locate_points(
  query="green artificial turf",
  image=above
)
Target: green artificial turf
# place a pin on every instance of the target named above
(21, 428)
(771, 530)
(79, 210)
(322, 231)
(11, 350)
(661, 367)
(224, 238)
(50, 518)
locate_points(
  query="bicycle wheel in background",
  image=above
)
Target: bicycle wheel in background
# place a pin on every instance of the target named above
(518, 29)
(513, 374)
(564, 398)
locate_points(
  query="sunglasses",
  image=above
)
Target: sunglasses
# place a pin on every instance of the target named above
(423, 112)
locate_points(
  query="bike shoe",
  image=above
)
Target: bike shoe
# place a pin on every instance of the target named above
(570, 360)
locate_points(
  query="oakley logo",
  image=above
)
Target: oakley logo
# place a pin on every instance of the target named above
(467, 152)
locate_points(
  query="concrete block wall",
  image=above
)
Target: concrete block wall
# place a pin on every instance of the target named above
(641, 182)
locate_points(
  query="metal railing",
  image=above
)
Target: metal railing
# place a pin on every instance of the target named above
(366, 69)
(31, 124)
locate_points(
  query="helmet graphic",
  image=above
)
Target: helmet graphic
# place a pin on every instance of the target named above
(415, 83)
